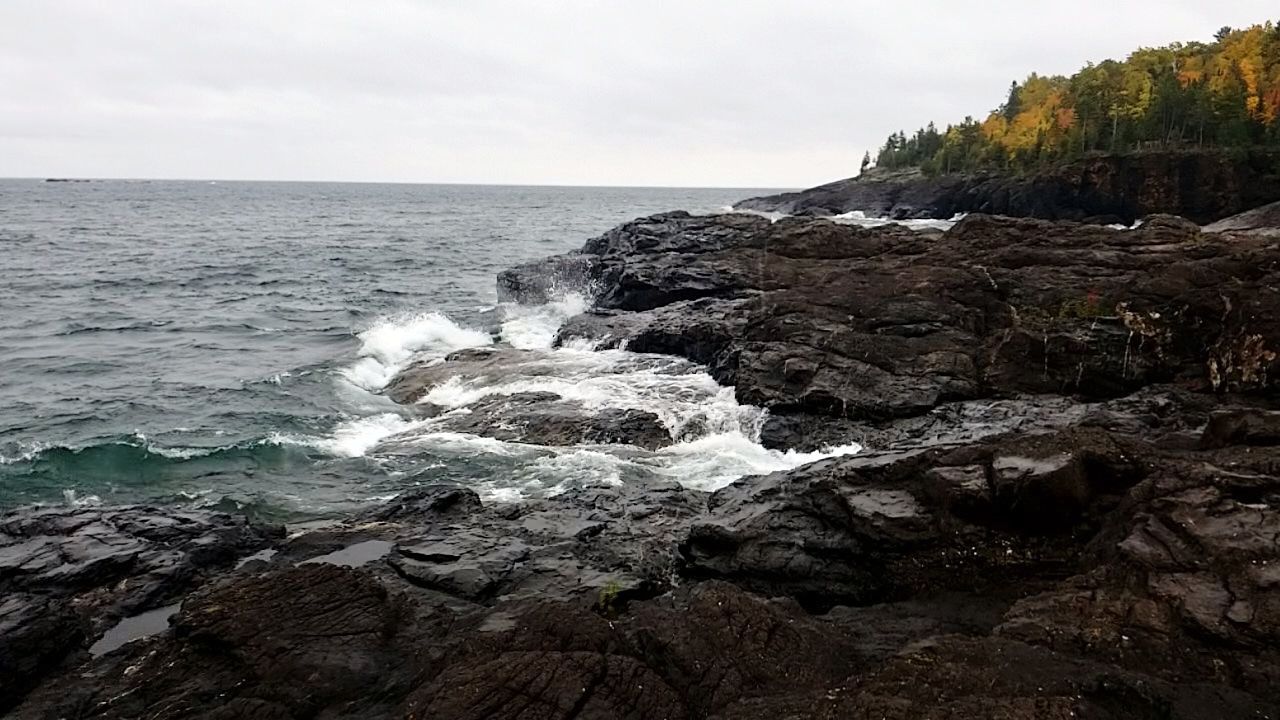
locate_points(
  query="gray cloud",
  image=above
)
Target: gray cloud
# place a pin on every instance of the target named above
(764, 94)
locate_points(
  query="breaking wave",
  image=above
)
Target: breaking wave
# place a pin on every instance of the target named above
(715, 439)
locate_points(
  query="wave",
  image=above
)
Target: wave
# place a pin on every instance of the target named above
(135, 457)
(534, 327)
(391, 343)
(351, 438)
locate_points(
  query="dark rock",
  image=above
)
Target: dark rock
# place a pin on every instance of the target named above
(539, 418)
(284, 644)
(718, 645)
(701, 330)
(884, 526)
(1259, 221)
(1181, 582)
(1242, 427)
(1201, 185)
(36, 632)
(1077, 573)
(812, 317)
(957, 678)
(86, 553)
(555, 277)
(545, 419)
(414, 382)
(547, 686)
(429, 503)
(68, 574)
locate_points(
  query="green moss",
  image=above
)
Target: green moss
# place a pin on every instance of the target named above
(607, 602)
(1089, 307)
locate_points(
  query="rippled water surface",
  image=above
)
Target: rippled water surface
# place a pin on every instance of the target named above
(224, 344)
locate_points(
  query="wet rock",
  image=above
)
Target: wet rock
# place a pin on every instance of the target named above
(542, 282)
(283, 644)
(431, 503)
(958, 678)
(85, 553)
(883, 526)
(811, 317)
(36, 632)
(544, 419)
(418, 379)
(718, 645)
(547, 686)
(701, 330)
(1180, 583)
(68, 574)
(469, 565)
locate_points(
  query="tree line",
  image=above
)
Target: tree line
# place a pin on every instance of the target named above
(1220, 94)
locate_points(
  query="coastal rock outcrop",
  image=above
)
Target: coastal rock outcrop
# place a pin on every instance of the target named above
(808, 316)
(1084, 573)
(1068, 506)
(1204, 186)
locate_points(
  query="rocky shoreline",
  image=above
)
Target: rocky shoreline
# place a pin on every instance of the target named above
(1202, 185)
(1068, 506)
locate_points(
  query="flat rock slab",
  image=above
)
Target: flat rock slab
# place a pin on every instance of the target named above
(68, 574)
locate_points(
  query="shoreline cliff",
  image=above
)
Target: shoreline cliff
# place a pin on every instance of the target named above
(1202, 186)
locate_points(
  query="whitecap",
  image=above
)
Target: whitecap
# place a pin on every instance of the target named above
(72, 498)
(351, 438)
(391, 343)
(534, 327)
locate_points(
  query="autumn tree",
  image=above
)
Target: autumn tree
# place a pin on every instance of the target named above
(1222, 93)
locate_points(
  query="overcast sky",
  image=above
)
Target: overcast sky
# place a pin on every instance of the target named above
(729, 93)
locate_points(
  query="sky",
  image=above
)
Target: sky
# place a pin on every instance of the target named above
(724, 93)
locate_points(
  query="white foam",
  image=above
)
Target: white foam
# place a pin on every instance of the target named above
(858, 217)
(712, 462)
(533, 327)
(716, 439)
(181, 453)
(351, 438)
(74, 500)
(25, 452)
(577, 467)
(391, 343)
(681, 394)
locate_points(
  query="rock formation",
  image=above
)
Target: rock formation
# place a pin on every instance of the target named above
(1203, 186)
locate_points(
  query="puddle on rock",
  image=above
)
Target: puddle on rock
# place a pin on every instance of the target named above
(354, 555)
(137, 627)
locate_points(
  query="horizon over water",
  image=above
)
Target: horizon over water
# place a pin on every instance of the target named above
(224, 344)
(76, 179)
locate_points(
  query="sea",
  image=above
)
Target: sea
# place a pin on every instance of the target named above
(225, 345)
